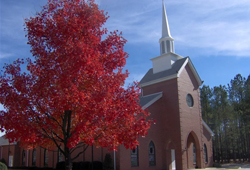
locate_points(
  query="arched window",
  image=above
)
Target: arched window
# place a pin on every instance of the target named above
(134, 157)
(34, 157)
(194, 154)
(151, 152)
(23, 157)
(46, 157)
(205, 153)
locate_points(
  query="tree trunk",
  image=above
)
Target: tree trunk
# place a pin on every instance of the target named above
(68, 162)
(67, 127)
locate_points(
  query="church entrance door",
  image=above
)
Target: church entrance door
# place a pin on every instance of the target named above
(193, 151)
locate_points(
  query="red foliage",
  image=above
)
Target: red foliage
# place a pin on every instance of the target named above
(77, 67)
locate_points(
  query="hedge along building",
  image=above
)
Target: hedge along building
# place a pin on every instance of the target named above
(179, 140)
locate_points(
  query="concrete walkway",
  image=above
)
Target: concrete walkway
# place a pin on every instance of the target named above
(229, 167)
(235, 166)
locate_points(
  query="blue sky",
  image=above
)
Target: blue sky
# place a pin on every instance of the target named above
(215, 34)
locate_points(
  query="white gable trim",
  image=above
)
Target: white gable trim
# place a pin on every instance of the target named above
(167, 54)
(196, 75)
(195, 72)
(152, 101)
(182, 67)
(206, 127)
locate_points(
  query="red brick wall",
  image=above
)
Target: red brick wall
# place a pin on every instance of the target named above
(166, 129)
(208, 141)
(190, 118)
(6, 151)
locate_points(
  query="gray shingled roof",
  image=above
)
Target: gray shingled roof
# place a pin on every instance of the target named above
(146, 101)
(149, 76)
(4, 141)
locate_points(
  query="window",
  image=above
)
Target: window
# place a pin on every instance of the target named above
(23, 157)
(205, 153)
(10, 160)
(34, 157)
(189, 100)
(60, 156)
(134, 157)
(194, 154)
(46, 157)
(151, 151)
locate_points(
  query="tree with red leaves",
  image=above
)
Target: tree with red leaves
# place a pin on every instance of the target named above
(72, 91)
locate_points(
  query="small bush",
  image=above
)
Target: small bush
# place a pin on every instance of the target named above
(46, 168)
(217, 165)
(60, 166)
(108, 163)
(76, 166)
(85, 166)
(26, 168)
(3, 161)
(97, 165)
(3, 166)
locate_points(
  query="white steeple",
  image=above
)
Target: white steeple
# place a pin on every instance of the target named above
(166, 41)
(167, 56)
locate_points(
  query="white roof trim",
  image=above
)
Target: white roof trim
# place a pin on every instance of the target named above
(152, 101)
(166, 54)
(208, 129)
(4, 141)
(196, 75)
(195, 72)
(182, 67)
(158, 80)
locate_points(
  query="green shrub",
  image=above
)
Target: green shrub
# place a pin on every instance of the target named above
(3, 161)
(108, 163)
(217, 165)
(3, 166)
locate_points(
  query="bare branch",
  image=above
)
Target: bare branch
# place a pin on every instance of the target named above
(48, 115)
(80, 153)
(79, 146)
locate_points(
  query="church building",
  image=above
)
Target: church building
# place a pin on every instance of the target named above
(179, 140)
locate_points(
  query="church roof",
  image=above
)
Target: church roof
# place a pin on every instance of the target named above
(173, 72)
(146, 101)
(208, 128)
(4, 141)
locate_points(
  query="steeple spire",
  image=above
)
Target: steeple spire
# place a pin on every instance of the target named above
(165, 26)
(166, 41)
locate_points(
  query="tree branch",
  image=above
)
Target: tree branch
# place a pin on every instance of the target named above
(80, 153)
(68, 113)
(73, 149)
(48, 115)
